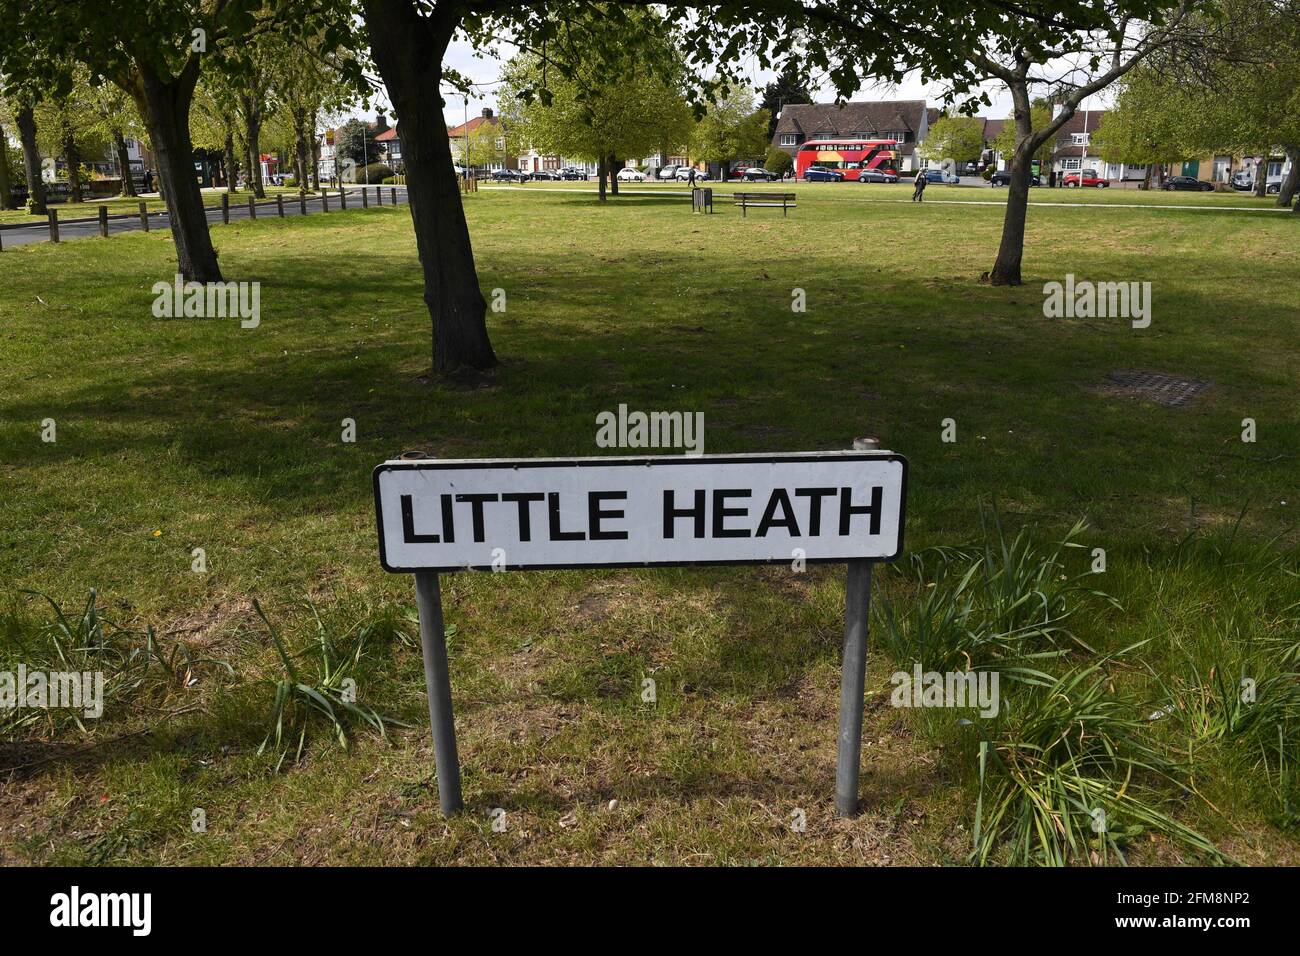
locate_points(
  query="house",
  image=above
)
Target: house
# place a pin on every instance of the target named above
(905, 121)
(483, 124)
(327, 140)
(390, 142)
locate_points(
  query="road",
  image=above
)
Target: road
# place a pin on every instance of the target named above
(21, 235)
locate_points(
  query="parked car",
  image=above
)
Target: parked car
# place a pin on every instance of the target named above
(667, 172)
(815, 174)
(1188, 184)
(684, 174)
(545, 175)
(509, 176)
(629, 175)
(1244, 181)
(940, 177)
(573, 174)
(1002, 177)
(1089, 177)
(877, 176)
(738, 170)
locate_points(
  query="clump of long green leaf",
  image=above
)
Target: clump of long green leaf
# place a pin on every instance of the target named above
(1072, 775)
(137, 665)
(326, 690)
(1002, 602)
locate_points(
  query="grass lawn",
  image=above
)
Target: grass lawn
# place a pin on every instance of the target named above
(118, 205)
(181, 434)
(902, 192)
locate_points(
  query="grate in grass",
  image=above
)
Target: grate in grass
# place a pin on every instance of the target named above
(1169, 390)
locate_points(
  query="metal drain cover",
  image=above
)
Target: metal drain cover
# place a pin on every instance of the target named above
(1157, 387)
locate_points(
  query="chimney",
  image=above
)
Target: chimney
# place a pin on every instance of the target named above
(487, 112)
(381, 122)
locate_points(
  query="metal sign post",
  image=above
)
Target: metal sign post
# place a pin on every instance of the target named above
(438, 516)
(437, 679)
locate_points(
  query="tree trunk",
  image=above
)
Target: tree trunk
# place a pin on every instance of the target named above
(231, 164)
(6, 198)
(613, 175)
(165, 107)
(72, 157)
(1292, 179)
(1006, 270)
(26, 120)
(253, 133)
(315, 164)
(124, 165)
(300, 150)
(408, 49)
(602, 167)
(1261, 177)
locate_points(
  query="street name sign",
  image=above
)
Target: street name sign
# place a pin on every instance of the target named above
(435, 516)
(535, 514)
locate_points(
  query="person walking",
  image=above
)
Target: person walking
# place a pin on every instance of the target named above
(691, 176)
(148, 180)
(920, 182)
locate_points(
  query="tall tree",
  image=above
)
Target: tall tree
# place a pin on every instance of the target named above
(67, 122)
(790, 86)
(959, 138)
(6, 195)
(730, 129)
(1228, 82)
(843, 39)
(154, 50)
(593, 113)
(1030, 53)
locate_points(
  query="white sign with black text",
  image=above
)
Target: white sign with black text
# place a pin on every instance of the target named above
(490, 514)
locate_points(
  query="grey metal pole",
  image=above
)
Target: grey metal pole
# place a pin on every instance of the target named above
(853, 679)
(853, 675)
(438, 682)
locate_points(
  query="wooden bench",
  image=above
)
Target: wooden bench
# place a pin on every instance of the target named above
(784, 201)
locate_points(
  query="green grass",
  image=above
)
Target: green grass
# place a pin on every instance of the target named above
(902, 192)
(180, 434)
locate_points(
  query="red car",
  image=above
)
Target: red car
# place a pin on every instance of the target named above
(1090, 178)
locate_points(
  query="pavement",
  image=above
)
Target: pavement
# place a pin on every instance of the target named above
(24, 234)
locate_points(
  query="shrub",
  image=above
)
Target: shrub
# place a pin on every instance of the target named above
(777, 161)
(374, 173)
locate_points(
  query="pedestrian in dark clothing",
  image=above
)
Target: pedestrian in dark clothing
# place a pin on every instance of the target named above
(148, 180)
(692, 177)
(918, 195)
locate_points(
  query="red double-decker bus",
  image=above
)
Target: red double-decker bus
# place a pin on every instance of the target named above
(849, 156)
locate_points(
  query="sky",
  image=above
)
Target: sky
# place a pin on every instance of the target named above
(485, 72)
